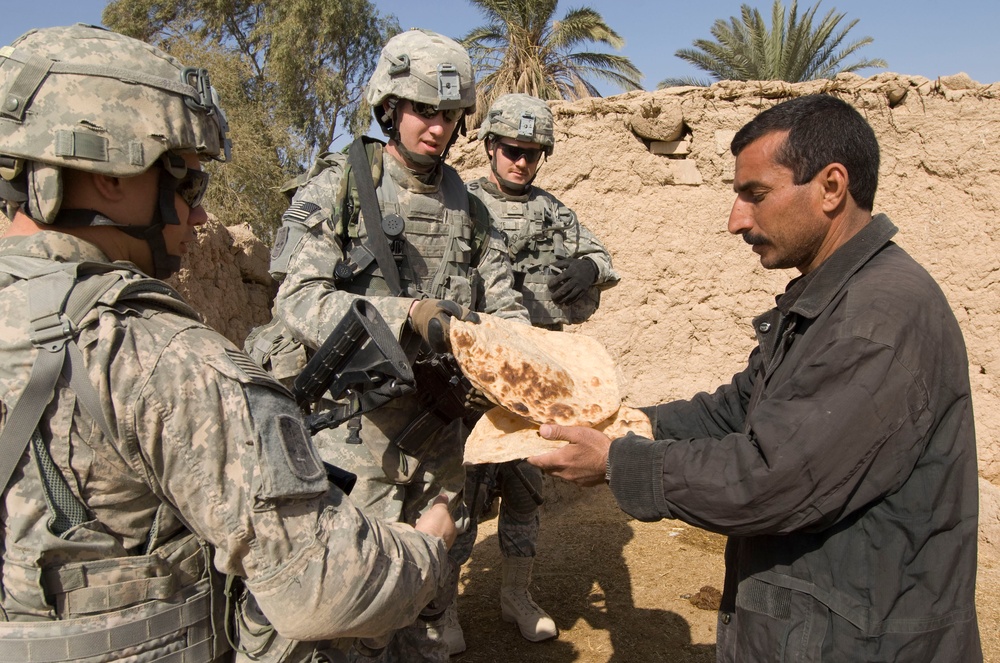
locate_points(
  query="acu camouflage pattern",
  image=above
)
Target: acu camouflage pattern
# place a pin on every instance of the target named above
(93, 100)
(210, 463)
(439, 259)
(521, 117)
(540, 230)
(518, 521)
(423, 66)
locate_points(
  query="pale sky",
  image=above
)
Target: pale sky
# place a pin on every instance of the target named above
(923, 37)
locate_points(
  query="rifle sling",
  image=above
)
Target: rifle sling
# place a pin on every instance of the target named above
(357, 158)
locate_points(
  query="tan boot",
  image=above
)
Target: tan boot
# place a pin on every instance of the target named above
(516, 604)
(453, 637)
(448, 630)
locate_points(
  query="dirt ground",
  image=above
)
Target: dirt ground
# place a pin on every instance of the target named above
(618, 589)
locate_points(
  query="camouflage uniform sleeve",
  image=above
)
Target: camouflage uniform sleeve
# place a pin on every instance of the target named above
(308, 301)
(225, 444)
(581, 243)
(494, 276)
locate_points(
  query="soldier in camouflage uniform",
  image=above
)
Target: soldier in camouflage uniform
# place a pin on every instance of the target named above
(560, 268)
(407, 451)
(143, 456)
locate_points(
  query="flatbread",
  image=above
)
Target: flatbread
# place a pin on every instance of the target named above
(543, 376)
(500, 436)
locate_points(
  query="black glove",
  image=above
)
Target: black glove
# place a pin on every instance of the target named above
(577, 275)
(431, 319)
(477, 401)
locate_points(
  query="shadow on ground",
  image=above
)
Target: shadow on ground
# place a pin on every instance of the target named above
(582, 579)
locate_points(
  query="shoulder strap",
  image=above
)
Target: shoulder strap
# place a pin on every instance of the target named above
(357, 158)
(56, 305)
(481, 223)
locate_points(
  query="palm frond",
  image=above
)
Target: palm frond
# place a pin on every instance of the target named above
(795, 47)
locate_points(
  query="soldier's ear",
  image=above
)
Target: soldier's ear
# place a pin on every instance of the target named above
(109, 186)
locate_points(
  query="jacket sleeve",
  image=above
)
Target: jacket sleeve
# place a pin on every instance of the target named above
(308, 301)
(226, 446)
(581, 243)
(841, 431)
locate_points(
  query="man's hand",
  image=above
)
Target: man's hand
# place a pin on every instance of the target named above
(583, 461)
(431, 319)
(437, 521)
(576, 277)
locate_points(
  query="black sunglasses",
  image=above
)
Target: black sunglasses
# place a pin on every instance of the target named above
(429, 111)
(514, 153)
(192, 187)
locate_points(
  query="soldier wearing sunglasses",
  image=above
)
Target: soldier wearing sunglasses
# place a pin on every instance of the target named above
(560, 268)
(411, 248)
(160, 496)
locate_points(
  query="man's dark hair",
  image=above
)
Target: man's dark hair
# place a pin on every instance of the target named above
(821, 130)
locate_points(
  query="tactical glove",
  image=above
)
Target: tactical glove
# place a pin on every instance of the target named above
(431, 319)
(477, 401)
(576, 277)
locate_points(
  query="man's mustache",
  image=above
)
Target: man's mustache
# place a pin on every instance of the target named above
(754, 240)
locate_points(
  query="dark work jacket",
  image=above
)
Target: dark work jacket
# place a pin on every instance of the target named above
(841, 463)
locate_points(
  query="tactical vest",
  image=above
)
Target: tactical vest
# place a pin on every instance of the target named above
(442, 238)
(537, 231)
(70, 590)
(434, 252)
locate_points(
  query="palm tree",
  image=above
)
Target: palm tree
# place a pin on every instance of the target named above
(522, 48)
(747, 50)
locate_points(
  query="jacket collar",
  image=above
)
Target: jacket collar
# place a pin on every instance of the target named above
(809, 295)
(53, 245)
(495, 191)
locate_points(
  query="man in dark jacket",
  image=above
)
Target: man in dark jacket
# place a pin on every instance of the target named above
(841, 461)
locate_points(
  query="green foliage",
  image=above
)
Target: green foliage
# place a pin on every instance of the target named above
(245, 190)
(521, 48)
(291, 75)
(745, 49)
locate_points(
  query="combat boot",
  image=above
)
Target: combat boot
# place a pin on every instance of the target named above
(448, 631)
(516, 604)
(451, 631)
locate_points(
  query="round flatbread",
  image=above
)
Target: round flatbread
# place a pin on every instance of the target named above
(500, 436)
(543, 376)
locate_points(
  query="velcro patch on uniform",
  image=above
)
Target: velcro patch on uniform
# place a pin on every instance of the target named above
(299, 212)
(254, 373)
(290, 467)
(298, 450)
(279, 242)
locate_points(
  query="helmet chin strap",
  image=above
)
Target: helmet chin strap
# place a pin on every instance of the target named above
(165, 213)
(513, 188)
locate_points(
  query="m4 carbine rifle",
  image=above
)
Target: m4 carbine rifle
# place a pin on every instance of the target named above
(359, 367)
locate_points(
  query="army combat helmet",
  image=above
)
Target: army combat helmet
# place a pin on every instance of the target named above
(424, 67)
(520, 117)
(85, 98)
